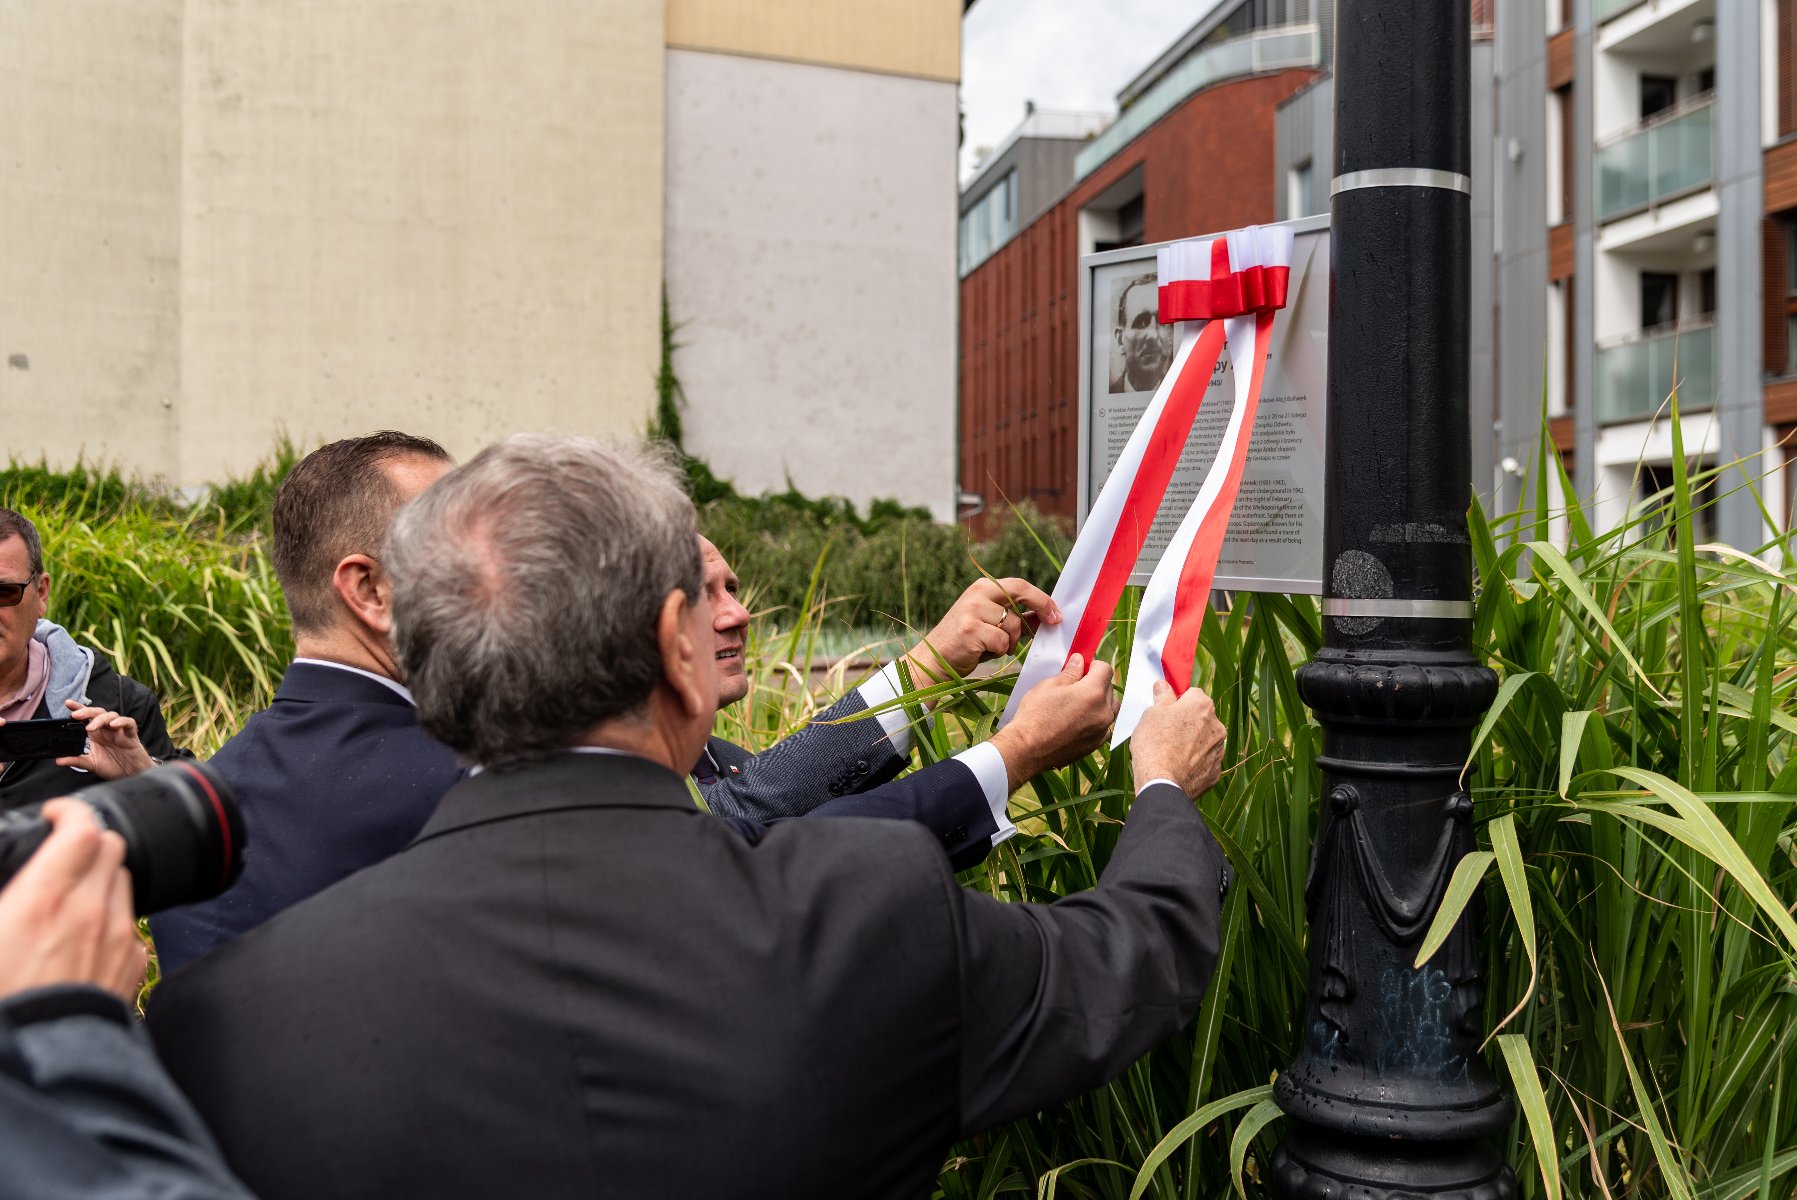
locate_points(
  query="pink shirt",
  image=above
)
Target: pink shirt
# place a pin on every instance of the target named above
(22, 706)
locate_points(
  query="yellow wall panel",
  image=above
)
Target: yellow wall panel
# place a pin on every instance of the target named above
(901, 37)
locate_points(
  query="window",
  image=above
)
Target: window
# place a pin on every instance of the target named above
(1658, 93)
(989, 224)
(1706, 80)
(1130, 223)
(1300, 191)
(1655, 480)
(1659, 300)
(1706, 292)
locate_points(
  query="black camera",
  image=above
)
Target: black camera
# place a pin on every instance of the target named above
(182, 828)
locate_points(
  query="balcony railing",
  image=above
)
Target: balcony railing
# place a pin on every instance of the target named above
(1670, 153)
(1262, 50)
(1635, 376)
(1611, 8)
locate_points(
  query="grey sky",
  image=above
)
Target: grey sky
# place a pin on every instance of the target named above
(1064, 54)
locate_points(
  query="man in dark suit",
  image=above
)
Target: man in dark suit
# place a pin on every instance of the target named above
(336, 773)
(863, 740)
(573, 983)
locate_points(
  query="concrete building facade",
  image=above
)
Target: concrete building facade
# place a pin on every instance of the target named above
(809, 242)
(223, 220)
(1189, 154)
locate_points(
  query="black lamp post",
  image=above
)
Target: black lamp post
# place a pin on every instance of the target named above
(1389, 1095)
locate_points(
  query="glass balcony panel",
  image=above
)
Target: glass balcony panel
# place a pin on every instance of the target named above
(1635, 377)
(1263, 50)
(1659, 160)
(1610, 8)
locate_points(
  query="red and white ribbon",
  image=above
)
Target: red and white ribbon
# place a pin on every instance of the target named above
(1213, 288)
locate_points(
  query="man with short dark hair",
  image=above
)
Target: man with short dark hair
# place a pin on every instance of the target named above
(574, 983)
(46, 674)
(336, 773)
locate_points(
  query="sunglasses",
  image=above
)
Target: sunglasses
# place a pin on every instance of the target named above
(12, 593)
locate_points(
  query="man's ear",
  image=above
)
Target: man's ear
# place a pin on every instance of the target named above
(680, 665)
(366, 591)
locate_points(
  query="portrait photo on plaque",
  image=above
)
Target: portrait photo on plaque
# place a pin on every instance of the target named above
(1141, 348)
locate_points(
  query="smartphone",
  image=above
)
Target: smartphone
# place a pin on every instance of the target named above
(60, 738)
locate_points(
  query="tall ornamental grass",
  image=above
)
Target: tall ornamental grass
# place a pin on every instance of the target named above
(181, 597)
(1637, 812)
(1636, 807)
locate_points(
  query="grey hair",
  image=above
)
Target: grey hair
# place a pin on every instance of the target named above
(527, 588)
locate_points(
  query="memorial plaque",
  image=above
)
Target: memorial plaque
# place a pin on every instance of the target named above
(1275, 539)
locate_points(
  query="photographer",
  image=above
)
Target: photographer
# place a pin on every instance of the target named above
(85, 1108)
(45, 674)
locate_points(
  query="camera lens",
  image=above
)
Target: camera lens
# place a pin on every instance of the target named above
(182, 828)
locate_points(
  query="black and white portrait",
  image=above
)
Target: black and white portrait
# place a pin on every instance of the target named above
(1141, 347)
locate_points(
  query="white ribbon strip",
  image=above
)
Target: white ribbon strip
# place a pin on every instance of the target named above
(1052, 643)
(1154, 619)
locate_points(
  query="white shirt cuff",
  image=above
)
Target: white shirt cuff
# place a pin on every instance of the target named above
(988, 766)
(884, 688)
(1144, 787)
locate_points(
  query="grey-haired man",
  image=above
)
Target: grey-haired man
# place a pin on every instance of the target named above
(573, 983)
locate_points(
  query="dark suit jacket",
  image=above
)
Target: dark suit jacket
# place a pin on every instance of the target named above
(335, 775)
(574, 983)
(840, 753)
(944, 797)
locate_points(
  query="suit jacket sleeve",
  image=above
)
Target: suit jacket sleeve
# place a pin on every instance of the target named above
(86, 1110)
(944, 798)
(1059, 998)
(831, 757)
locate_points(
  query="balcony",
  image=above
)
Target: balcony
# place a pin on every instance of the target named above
(1634, 376)
(1669, 155)
(1263, 50)
(1665, 29)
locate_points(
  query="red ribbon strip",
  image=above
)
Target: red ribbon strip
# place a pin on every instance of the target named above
(1200, 568)
(1146, 489)
(1232, 294)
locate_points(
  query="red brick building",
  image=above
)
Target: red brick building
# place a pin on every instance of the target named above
(1203, 166)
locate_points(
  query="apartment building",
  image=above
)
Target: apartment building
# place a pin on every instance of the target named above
(1646, 188)
(1189, 153)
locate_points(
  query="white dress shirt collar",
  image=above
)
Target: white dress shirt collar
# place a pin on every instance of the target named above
(399, 688)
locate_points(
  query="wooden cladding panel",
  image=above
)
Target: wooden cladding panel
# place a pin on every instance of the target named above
(1559, 58)
(1561, 429)
(1781, 175)
(1560, 256)
(1781, 402)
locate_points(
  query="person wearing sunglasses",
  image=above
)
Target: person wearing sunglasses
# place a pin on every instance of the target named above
(45, 673)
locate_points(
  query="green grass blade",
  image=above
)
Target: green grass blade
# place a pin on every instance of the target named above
(1469, 872)
(1177, 1135)
(1527, 1082)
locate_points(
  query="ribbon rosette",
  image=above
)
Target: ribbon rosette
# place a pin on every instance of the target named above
(1217, 290)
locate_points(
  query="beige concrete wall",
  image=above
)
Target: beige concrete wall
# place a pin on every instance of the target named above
(90, 229)
(900, 37)
(811, 263)
(442, 216)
